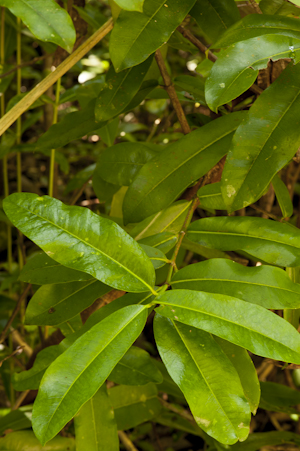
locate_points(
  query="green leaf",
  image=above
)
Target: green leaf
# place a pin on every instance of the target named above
(95, 425)
(80, 178)
(119, 90)
(175, 421)
(55, 304)
(135, 368)
(193, 85)
(281, 7)
(156, 256)
(103, 190)
(120, 163)
(246, 370)
(164, 241)
(260, 439)
(134, 405)
(278, 397)
(168, 385)
(136, 35)
(76, 375)
(247, 325)
(30, 379)
(130, 5)
(270, 241)
(42, 270)
(262, 285)
(227, 81)
(17, 440)
(211, 197)
(214, 17)
(255, 157)
(283, 197)
(46, 20)
(14, 420)
(255, 25)
(208, 380)
(165, 177)
(80, 239)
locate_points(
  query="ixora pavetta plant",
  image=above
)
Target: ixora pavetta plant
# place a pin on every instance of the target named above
(163, 194)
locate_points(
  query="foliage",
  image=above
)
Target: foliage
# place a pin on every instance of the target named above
(179, 164)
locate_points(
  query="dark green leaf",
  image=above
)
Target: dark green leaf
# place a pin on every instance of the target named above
(193, 85)
(211, 197)
(278, 397)
(207, 378)
(80, 239)
(258, 440)
(14, 420)
(164, 241)
(283, 197)
(281, 7)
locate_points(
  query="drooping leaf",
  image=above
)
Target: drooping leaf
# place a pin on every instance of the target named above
(135, 368)
(136, 35)
(95, 425)
(211, 197)
(262, 285)
(120, 163)
(254, 25)
(42, 270)
(215, 16)
(227, 81)
(46, 20)
(16, 441)
(15, 420)
(130, 5)
(119, 90)
(134, 405)
(207, 378)
(271, 241)
(283, 197)
(83, 368)
(247, 325)
(82, 240)
(165, 177)
(55, 304)
(260, 147)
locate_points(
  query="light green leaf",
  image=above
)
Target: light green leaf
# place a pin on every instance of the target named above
(46, 20)
(119, 90)
(134, 405)
(42, 270)
(76, 375)
(255, 25)
(136, 35)
(82, 240)
(135, 368)
(227, 81)
(247, 325)
(265, 142)
(156, 256)
(95, 425)
(207, 378)
(168, 385)
(164, 178)
(283, 197)
(215, 16)
(130, 5)
(270, 241)
(120, 163)
(164, 241)
(55, 304)
(17, 440)
(262, 285)
(211, 197)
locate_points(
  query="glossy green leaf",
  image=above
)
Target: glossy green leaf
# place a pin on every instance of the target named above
(134, 405)
(208, 380)
(164, 241)
(260, 439)
(271, 241)
(80, 239)
(247, 325)
(120, 163)
(136, 35)
(135, 368)
(255, 25)
(215, 16)
(227, 81)
(283, 197)
(76, 375)
(95, 425)
(265, 142)
(42, 270)
(15, 420)
(119, 90)
(156, 256)
(46, 20)
(30, 379)
(168, 385)
(17, 440)
(263, 285)
(211, 197)
(246, 370)
(130, 5)
(165, 177)
(54, 304)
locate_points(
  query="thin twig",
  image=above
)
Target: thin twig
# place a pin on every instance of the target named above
(20, 400)
(172, 92)
(14, 313)
(29, 63)
(80, 191)
(17, 351)
(126, 441)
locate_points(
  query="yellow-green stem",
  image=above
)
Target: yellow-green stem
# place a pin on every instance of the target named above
(52, 159)
(18, 140)
(293, 315)
(11, 370)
